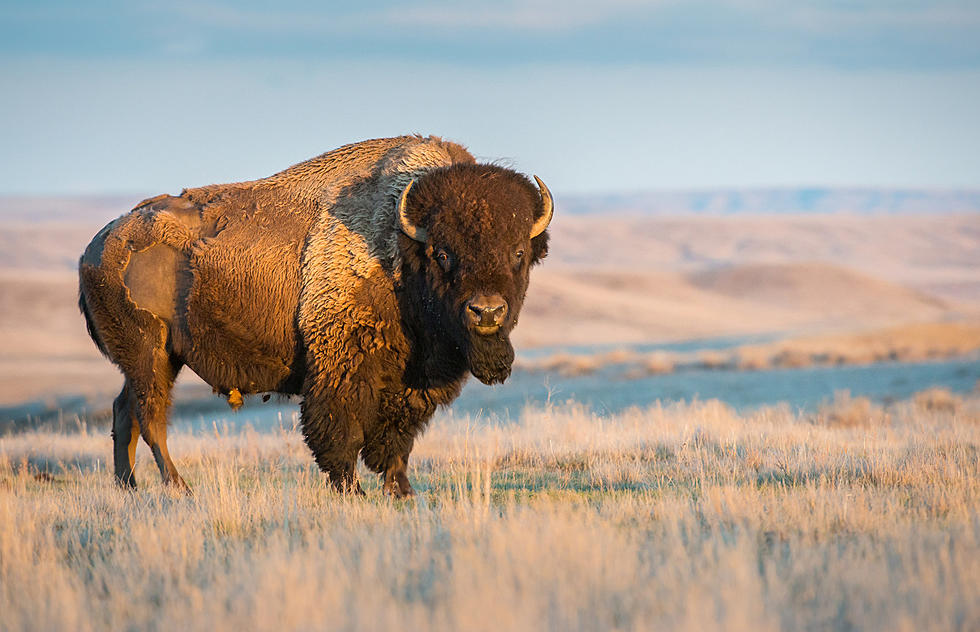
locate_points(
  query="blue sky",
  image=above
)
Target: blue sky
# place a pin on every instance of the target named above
(593, 96)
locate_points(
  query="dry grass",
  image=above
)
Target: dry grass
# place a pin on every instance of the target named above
(674, 517)
(907, 343)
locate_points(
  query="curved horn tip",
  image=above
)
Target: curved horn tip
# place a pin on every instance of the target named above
(411, 230)
(549, 209)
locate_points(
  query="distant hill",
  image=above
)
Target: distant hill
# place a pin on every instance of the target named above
(80, 209)
(858, 201)
(611, 277)
(766, 201)
(819, 288)
(574, 305)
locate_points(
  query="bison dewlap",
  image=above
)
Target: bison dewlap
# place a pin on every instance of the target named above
(370, 280)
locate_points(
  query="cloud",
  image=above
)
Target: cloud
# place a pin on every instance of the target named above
(899, 34)
(546, 15)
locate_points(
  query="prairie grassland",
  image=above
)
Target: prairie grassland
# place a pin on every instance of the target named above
(686, 516)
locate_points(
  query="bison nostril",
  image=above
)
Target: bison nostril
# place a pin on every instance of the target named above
(487, 310)
(498, 312)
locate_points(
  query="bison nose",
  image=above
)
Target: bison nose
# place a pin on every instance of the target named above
(486, 312)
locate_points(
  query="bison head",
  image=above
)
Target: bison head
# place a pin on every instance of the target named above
(471, 234)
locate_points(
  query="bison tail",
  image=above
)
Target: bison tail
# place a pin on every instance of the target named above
(90, 324)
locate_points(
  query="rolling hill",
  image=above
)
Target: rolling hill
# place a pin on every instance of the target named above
(607, 280)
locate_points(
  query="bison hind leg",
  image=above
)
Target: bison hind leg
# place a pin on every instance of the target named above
(141, 409)
(152, 404)
(150, 371)
(125, 436)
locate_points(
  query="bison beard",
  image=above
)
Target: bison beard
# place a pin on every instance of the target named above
(490, 357)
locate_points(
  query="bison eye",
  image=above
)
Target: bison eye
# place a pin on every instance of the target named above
(444, 259)
(518, 257)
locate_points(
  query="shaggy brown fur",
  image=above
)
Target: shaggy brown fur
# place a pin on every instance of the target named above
(303, 283)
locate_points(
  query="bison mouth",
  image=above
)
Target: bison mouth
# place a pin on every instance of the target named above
(490, 356)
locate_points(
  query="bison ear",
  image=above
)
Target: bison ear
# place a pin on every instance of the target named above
(411, 230)
(539, 248)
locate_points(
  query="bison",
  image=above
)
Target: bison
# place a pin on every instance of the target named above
(370, 280)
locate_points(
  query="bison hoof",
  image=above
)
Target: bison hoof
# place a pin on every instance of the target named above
(178, 486)
(398, 486)
(348, 487)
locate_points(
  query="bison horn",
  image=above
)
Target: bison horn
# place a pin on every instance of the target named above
(411, 230)
(549, 208)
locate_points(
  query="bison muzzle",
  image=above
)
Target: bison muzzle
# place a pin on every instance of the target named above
(370, 280)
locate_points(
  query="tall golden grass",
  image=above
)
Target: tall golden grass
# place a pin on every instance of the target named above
(686, 516)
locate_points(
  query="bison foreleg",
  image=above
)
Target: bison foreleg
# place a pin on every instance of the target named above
(389, 458)
(389, 444)
(333, 432)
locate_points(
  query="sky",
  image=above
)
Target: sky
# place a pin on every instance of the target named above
(615, 96)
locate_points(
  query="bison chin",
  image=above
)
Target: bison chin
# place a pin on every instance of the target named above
(490, 357)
